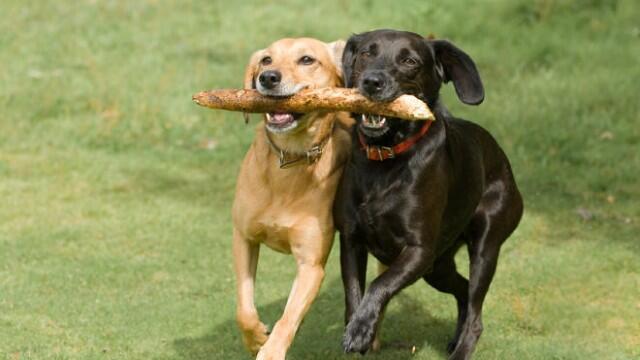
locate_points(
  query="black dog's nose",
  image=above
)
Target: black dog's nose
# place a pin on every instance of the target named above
(270, 78)
(372, 83)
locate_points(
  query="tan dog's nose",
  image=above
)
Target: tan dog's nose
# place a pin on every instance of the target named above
(270, 79)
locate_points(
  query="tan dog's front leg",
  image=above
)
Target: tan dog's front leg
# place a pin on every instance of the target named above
(304, 291)
(245, 257)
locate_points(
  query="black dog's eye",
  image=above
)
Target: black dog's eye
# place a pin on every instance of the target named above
(306, 60)
(366, 53)
(266, 60)
(410, 61)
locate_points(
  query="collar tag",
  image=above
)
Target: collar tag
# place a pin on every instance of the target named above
(382, 153)
(312, 155)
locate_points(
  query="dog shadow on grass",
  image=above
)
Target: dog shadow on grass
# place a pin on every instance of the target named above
(409, 324)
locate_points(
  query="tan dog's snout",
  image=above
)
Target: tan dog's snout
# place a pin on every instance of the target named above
(272, 82)
(270, 79)
(290, 65)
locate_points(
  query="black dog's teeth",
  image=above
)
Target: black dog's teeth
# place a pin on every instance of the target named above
(373, 121)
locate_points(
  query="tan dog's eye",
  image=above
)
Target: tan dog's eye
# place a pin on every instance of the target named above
(306, 60)
(266, 60)
(410, 61)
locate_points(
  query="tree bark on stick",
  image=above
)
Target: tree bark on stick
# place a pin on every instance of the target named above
(325, 99)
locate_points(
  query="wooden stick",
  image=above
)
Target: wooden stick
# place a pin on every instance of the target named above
(326, 99)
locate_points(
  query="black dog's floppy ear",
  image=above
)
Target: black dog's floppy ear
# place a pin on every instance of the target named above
(349, 58)
(458, 67)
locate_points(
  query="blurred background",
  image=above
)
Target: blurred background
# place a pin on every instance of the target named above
(115, 189)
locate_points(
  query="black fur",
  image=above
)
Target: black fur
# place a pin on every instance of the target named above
(415, 211)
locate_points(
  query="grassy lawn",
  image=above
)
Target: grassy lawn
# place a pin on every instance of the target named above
(115, 190)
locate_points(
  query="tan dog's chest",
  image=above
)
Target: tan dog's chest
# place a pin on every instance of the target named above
(275, 215)
(283, 207)
(273, 228)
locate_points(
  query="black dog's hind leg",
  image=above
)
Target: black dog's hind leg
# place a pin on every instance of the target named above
(494, 221)
(377, 340)
(353, 261)
(483, 267)
(445, 278)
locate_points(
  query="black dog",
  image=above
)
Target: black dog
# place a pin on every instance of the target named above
(414, 192)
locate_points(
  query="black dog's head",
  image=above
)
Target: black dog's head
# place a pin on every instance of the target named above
(384, 64)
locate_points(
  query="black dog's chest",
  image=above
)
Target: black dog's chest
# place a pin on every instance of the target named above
(379, 216)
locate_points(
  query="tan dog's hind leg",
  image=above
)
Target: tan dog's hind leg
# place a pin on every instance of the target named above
(375, 346)
(245, 256)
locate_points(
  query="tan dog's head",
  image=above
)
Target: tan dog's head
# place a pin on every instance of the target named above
(288, 66)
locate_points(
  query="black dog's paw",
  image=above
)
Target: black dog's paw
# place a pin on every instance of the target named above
(358, 336)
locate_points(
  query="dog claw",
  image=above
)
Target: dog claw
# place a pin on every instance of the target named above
(358, 336)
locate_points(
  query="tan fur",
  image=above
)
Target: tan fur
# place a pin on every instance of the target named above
(289, 210)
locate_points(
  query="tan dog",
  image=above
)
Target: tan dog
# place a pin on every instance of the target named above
(286, 186)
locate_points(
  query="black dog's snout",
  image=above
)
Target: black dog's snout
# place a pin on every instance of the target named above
(270, 78)
(373, 83)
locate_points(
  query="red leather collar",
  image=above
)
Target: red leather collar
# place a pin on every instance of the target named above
(381, 153)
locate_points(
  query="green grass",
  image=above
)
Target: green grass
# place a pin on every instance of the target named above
(115, 219)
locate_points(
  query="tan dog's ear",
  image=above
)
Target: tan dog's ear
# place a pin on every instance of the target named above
(336, 49)
(250, 70)
(250, 75)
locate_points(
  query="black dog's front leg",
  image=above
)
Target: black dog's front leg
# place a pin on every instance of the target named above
(353, 261)
(412, 263)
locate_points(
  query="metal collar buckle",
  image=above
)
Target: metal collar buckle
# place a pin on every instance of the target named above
(314, 154)
(389, 151)
(287, 160)
(286, 163)
(378, 150)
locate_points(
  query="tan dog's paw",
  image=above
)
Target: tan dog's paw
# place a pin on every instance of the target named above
(254, 338)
